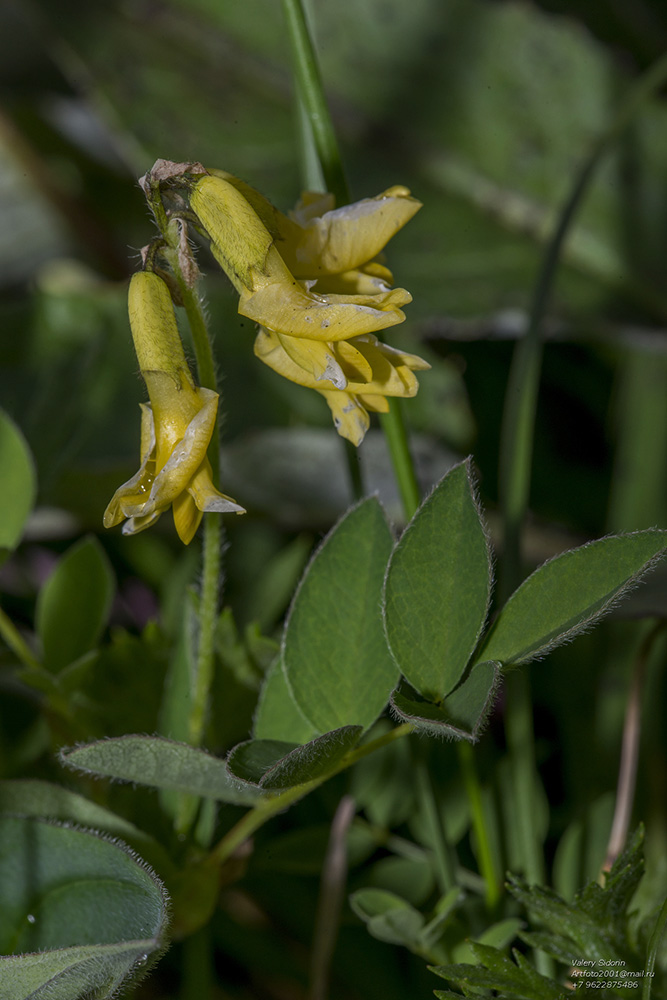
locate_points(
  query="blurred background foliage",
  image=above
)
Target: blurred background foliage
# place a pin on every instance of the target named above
(485, 109)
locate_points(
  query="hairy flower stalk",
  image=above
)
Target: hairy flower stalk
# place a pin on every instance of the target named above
(176, 426)
(313, 285)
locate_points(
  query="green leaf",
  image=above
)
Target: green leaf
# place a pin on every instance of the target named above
(249, 761)
(277, 765)
(438, 586)
(74, 603)
(90, 907)
(160, 763)
(387, 916)
(31, 797)
(19, 485)
(277, 716)
(570, 592)
(498, 935)
(410, 878)
(462, 714)
(516, 980)
(336, 659)
(70, 973)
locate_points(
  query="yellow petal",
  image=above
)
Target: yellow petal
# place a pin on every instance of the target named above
(311, 204)
(205, 495)
(357, 282)
(347, 237)
(315, 357)
(186, 517)
(294, 311)
(355, 365)
(350, 418)
(378, 404)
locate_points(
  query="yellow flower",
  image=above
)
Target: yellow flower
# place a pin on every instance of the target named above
(313, 285)
(361, 373)
(176, 427)
(278, 265)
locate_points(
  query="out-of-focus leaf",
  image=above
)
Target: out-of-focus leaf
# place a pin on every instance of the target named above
(387, 916)
(410, 878)
(18, 485)
(74, 603)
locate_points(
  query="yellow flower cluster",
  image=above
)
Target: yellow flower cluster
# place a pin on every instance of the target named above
(313, 285)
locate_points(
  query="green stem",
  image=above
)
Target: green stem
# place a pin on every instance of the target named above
(311, 94)
(396, 436)
(197, 972)
(487, 866)
(208, 617)
(652, 951)
(445, 867)
(17, 643)
(273, 804)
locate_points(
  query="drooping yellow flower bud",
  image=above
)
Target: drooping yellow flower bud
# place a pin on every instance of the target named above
(176, 427)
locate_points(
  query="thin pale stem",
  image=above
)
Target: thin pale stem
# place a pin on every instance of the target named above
(627, 772)
(330, 902)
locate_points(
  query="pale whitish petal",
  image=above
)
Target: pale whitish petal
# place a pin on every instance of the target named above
(207, 498)
(134, 525)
